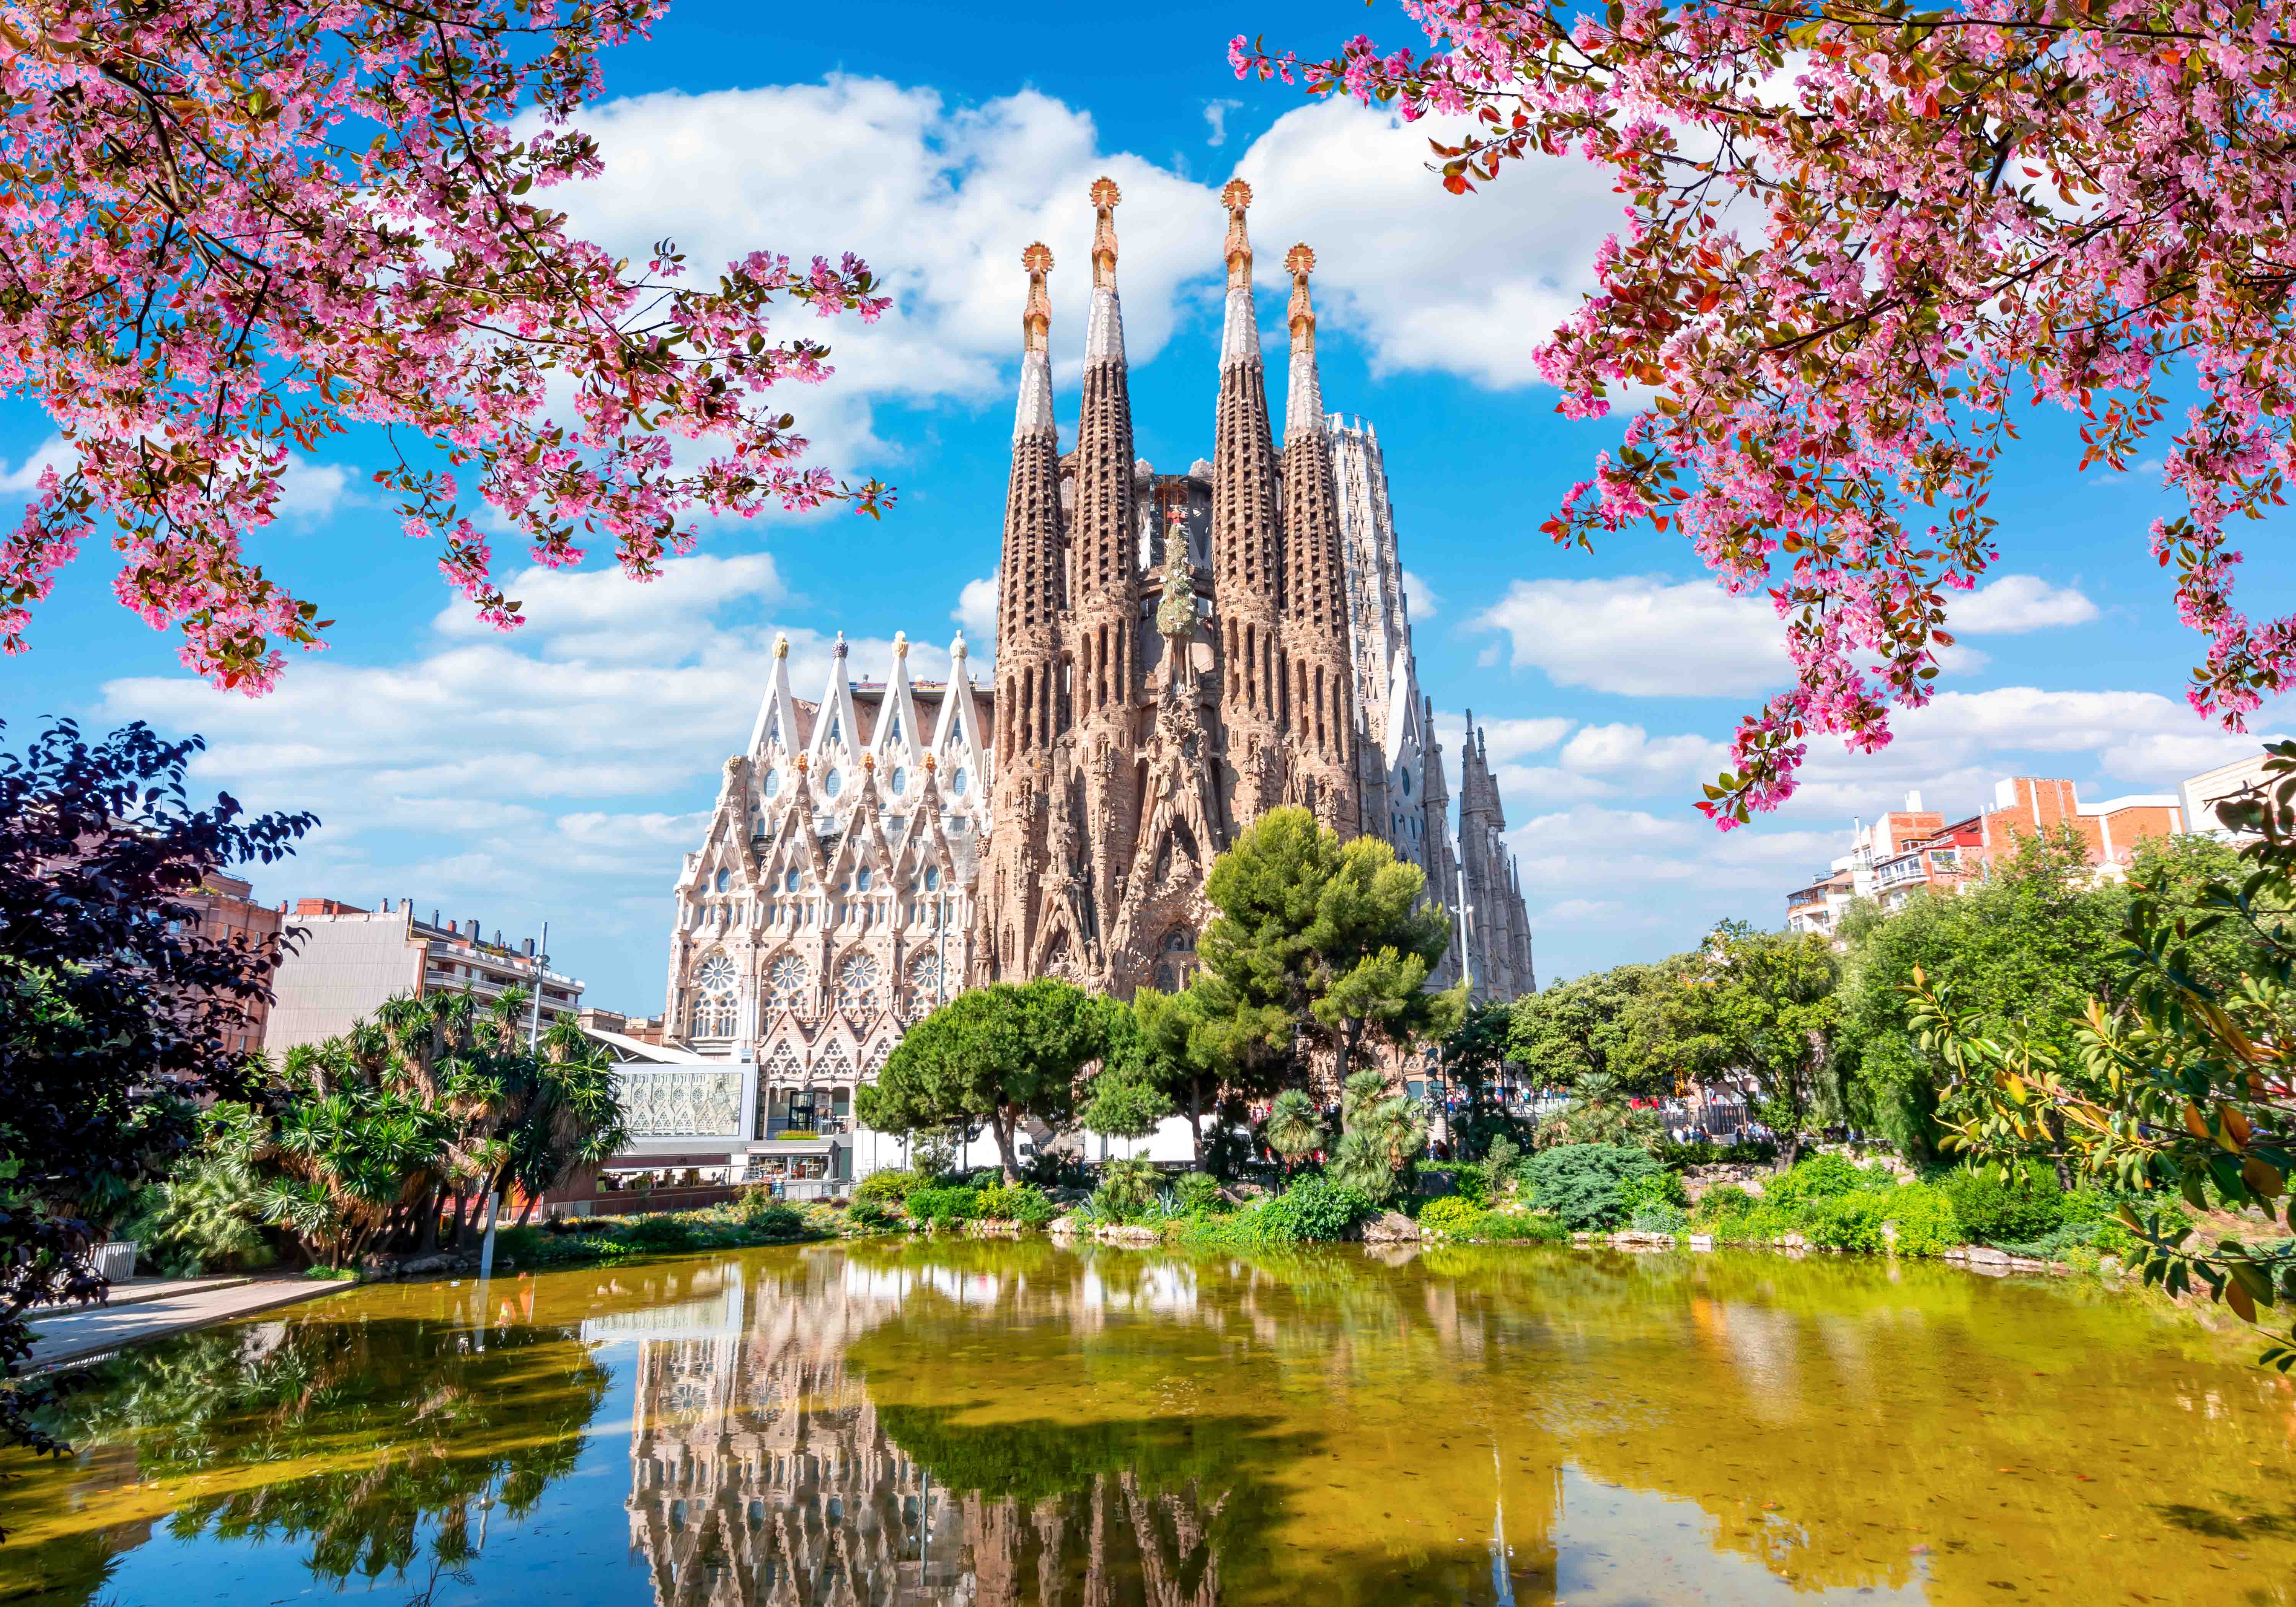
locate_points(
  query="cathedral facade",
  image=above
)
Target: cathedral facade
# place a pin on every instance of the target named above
(1176, 654)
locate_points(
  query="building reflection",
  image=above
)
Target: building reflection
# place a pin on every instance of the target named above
(762, 1472)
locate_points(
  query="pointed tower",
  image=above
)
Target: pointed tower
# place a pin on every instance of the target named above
(1031, 706)
(1314, 703)
(1247, 556)
(1482, 865)
(1440, 861)
(1103, 657)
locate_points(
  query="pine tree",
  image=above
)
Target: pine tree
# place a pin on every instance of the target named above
(1319, 946)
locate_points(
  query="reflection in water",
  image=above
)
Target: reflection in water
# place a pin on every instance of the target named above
(1018, 1425)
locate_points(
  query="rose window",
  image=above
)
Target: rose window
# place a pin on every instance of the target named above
(785, 980)
(858, 985)
(713, 1012)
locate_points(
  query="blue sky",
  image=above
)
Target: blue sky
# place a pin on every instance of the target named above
(561, 772)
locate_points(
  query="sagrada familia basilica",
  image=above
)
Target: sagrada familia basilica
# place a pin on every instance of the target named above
(1176, 654)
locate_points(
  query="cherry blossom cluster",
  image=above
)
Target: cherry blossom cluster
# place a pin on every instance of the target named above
(1858, 240)
(231, 228)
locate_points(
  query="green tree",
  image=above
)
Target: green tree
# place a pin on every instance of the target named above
(1589, 1024)
(2036, 939)
(1159, 1049)
(2174, 1082)
(1001, 1054)
(1319, 946)
(120, 1013)
(1758, 1008)
(1474, 1057)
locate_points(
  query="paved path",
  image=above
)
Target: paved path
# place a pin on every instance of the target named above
(72, 1335)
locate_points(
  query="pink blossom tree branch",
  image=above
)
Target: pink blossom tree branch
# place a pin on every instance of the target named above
(229, 229)
(1858, 237)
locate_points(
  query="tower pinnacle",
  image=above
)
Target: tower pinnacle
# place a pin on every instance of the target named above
(1104, 197)
(1303, 400)
(1035, 412)
(1240, 334)
(1104, 339)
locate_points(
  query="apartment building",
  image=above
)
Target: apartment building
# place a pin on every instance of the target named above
(1911, 849)
(348, 960)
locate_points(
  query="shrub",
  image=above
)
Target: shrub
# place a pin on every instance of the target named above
(660, 1234)
(1992, 1211)
(888, 1185)
(1925, 1219)
(1023, 1203)
(1657, 1217)
(1817, 1178)
(942, 1207)
(1198, 1193)
(1448, 1215)
(1848, 1220)
(1313, 1210)
(1582, 1183)
(870, 1216)
(1724, 1200)
(1648, 1190)
(1529, 1226)
(525, 1245)
(1126, 1187)
(771, 1220)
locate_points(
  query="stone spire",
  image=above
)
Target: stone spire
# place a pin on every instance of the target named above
(1246, 557)
(1303, 399)
(1036, 409)
(1104, 522)
(1030, 594)
(1314, 692)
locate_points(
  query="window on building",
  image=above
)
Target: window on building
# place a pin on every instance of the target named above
(774, 783)
(932, 878)
(834, 784)
(861, 878)
(725, 880)
(958, 781)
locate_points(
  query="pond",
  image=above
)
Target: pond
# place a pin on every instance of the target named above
(989, 1422)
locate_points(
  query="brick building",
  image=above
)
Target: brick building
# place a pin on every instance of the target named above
(1908, 850)
(228, 910)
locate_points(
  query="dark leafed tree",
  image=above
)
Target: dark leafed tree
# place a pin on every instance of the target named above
(117, 1008)
(1001, 1054)
(1318, 945)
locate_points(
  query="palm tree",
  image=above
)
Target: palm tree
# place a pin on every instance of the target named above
(1293, 1130)
(433, 1105)
(1384, 1133)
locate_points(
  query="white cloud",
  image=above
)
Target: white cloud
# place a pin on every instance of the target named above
(976, 611)
(2012, 603)
(1216, 118)
(1503, 740)
(1630, 756)
(24, 479)
(1642, 637)
(1420, 600)
(940, 199)
(555, 769)
(1466, 284)
(310, 491)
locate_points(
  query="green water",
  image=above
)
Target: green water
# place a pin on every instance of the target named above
(989, 1422)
